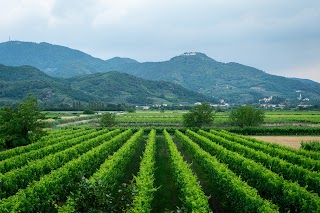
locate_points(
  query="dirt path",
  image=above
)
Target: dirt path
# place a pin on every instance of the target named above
(293, 141)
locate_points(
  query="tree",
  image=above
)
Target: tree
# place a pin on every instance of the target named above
(88, 112)
(246, 116)
(199, 116)
(108, 119)
(23, 124)
(131, 109)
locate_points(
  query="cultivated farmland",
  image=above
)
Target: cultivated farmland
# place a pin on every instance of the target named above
(140, 170)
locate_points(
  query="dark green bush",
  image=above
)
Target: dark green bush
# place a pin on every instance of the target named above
(88, 112)
(311, 146)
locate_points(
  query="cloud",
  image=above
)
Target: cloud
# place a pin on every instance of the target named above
(15, 11)
(310, 71)
(271, 35)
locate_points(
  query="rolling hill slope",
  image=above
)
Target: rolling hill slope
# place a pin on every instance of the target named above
(55, 60)
(233, 82)
(121, 87)
(111, 87)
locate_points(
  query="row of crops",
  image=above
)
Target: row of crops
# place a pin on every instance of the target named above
(90, 170)
(220, 118)
(276, 120)
(151, 117)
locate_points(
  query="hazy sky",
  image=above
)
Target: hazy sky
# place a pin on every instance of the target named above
(281, 37)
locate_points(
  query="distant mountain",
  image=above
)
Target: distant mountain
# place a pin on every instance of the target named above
(55, 60)
(119, 87)
(307, 82)
(17, 82)
(117, 61)
(111, 87)
(232, 82)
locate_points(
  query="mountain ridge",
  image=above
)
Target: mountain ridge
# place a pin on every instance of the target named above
(232, 82)
(111, 87)
(55, 60)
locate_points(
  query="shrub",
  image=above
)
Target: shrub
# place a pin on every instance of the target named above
(22, 125)
(108, 119)
(88, 112)
(245, 116)
(199, 116)
(311, 146)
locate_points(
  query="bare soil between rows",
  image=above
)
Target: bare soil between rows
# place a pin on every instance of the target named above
(292, 141)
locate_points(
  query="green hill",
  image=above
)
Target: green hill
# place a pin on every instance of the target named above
(17, 82)
(121, 87)
(55, 60)
(233, 82)
(111, 87)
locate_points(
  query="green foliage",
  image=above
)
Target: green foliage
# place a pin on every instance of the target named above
(19, 178)
(2, 143)
(17, 82)
(282, 130)
(191, 193)
(255, 143)
(199, 116)
(270, 185)
(131, 110)
(246, 116)
(88, 112)
(39, 196)
(144, 182)
(94, 91)
(108, 119)
(44, 141)
(234, 193)
(297, 157)
(98, 191)
(289, 171)
(83, 169)
(22, 125)
(311, 146)
(116, 87)
(56, 144)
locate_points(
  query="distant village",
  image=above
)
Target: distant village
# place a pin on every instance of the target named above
(271, 103)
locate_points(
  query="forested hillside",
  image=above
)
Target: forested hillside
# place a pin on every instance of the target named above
(232, 82)
(111, 87)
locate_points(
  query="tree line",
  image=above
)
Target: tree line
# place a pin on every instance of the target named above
(243, 116)
(24, 123)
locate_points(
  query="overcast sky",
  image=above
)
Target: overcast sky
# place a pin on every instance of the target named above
(281, 37)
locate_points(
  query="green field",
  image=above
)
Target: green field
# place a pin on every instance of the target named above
(174, 118)
(221, 118)
(138, 170)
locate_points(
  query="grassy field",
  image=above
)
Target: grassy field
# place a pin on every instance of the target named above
(221, 118)
(287, 117)
(174, 118)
